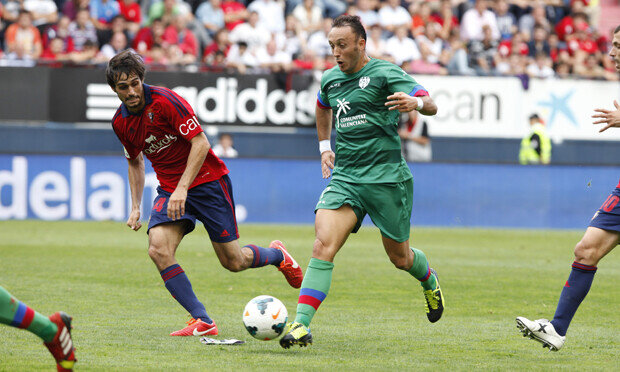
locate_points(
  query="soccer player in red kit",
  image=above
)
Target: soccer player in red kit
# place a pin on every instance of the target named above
(193, 184)
(600, 238)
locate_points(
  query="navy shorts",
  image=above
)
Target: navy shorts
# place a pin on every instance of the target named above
(211, 203)
(608, 216)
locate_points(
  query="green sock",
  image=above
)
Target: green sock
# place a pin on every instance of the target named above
(17, 314)
(314, 289)
(421, 270)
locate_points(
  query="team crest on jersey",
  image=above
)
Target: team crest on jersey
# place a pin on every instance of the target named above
(150, 115)
(364, 82)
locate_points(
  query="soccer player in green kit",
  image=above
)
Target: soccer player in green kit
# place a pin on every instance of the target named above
(370, 176)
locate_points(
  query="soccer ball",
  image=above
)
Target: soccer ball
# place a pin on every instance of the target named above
(265, 317)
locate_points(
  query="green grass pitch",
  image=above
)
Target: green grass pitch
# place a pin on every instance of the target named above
(372, 319)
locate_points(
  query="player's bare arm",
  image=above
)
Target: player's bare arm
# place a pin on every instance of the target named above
(197, 154)
(136, 184)
(405, 103)
(324, 131)
(608, 117)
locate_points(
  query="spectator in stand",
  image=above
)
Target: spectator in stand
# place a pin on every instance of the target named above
(131, 11)
(156, 56)
(102, 12)
(71, 7)
(211, 16)
(317, 42)
(421, 17)
(475, 19)
(224, 147)
(182, 41)
(240, 58)
(590, 68)
(376, 46)
(86, 54)
(567, 25)
(454, 56)
(168, 9)
(446, 18)
(537, 17)
(580, 40)
(554, 47)
(293, 39)
(538, 43)
(563, 70)
(117, 44)
(401, 47)
(44, 13)
(251, 33)
(22, 39)
(274, 60)
(309, 16)
(148, 36)
(270, 14)
(541, 67)
(118, 24)
(429, 43)
(61, 31)
(364, 9)
(220, 44)
(55, 51)
(392, 16)
(235, 13)
(516, 45)
(82, 30)
(482, 53)
(506, 21)
(10, 11)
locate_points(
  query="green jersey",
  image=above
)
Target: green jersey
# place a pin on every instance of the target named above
(368, 148)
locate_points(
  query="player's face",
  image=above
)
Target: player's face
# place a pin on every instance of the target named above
(130, 91)
(348, 50)
(614, 53)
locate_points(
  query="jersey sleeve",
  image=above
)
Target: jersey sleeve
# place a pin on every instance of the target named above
(180, 114)
(130, 151)
(400, 81)
(321, 98)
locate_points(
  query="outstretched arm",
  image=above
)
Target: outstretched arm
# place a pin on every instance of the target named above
(324, 131)
(136, 184)
(609, 117)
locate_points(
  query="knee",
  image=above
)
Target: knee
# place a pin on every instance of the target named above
(233, 265)
(400, 262)
(586, 253)
(159, 253)
(321, 250)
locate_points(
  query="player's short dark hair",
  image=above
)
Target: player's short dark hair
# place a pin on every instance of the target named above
(617, 29)
(352, 21)
(126, 62)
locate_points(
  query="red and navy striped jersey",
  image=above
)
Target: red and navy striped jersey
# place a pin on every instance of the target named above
(162, 131)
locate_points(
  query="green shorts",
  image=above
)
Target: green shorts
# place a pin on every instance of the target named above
(388, 204)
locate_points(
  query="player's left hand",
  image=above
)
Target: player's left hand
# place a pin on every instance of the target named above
(327, 162)
(611, 118)
(402, 102)
(176, 203)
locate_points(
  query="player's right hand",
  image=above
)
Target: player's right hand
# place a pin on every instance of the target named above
(134, 220)
(327, 162)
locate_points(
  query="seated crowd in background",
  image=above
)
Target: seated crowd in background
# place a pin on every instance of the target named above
(544, 38)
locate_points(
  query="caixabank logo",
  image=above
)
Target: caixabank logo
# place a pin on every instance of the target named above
(226, 100)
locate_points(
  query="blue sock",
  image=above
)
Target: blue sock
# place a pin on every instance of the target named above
(575, 290)
(265, 256)
(181, 289)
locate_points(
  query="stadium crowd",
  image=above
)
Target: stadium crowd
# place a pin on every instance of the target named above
(542, 38)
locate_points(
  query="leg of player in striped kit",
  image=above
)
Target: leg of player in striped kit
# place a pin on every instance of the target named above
(55, 331)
